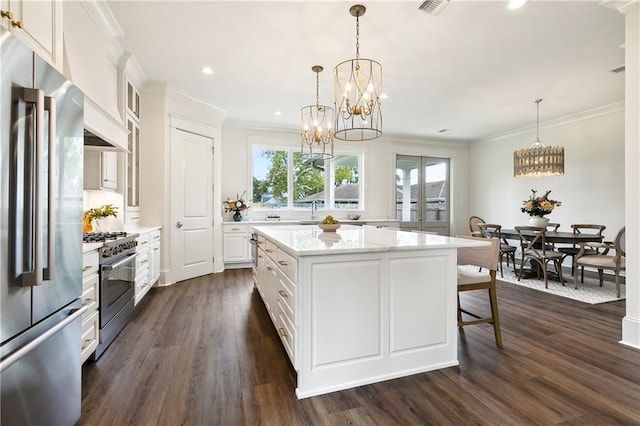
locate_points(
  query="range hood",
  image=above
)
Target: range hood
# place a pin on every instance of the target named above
(101, 130)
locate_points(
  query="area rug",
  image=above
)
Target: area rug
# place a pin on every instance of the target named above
(588, 292)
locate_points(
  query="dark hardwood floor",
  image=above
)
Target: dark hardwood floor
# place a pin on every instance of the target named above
(204, 352)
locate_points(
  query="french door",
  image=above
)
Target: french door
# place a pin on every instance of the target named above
(422, 193)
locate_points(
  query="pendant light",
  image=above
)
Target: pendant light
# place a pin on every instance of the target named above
(357, 89)
(317, 127)
(538, 160)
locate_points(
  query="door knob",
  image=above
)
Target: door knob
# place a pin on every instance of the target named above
(179, 224)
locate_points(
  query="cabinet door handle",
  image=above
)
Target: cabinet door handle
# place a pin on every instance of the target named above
(87, 302)
(269, 250)
(86, 343)
(86, 268)
(282, 332)
(269, 268)
(282, 262)
(283, 293)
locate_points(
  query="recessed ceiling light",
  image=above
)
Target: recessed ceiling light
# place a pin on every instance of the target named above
(278, 113)
(207, 70)
(384, 95)
(444, 130)
(515, 4)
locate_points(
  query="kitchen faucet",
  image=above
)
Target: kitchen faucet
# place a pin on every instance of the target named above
(314, 208)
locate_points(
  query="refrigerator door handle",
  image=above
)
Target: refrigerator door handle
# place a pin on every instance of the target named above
(32, 251)
(50, 106)
(15, 356)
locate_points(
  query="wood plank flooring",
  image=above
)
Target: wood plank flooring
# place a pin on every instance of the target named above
(204, 352)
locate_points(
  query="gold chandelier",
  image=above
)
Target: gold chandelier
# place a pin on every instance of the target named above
(317, 127)
(538, 160)
(357, 86)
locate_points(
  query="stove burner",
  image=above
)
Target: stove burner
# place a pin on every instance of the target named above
(97, 237)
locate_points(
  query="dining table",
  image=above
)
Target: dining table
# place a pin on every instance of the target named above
(553, 237)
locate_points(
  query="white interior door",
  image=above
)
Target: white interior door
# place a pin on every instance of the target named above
(192, 204)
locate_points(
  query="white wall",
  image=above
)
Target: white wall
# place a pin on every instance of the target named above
(379, 168)
(631, 322)
(591, 189)
(158, 104)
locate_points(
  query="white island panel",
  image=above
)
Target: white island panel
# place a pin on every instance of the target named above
(418, 302)
(347, 311)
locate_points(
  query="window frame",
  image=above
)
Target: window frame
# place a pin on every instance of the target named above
(329, 179)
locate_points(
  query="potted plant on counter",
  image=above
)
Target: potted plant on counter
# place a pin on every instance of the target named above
(98, 217)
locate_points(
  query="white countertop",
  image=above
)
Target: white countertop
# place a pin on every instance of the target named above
(308, 240)
(87, 247)
(253, 222)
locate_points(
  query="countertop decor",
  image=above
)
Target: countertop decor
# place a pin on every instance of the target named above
(237, 206)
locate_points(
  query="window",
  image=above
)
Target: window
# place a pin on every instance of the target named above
(279, 173)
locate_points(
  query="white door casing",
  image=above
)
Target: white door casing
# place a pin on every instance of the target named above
(191, 204)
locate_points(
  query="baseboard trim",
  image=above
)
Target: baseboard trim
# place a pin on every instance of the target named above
(631, 332)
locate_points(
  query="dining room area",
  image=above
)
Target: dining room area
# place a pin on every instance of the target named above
(594, 189)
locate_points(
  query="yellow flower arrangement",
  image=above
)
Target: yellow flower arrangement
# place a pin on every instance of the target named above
(539, 206)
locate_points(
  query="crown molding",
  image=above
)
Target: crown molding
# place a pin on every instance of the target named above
(562, 121)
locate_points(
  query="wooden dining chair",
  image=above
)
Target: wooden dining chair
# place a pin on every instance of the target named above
(473, 226)
(468, 280)
(534, 248)
(491, 230)
(601, 261)
(574, 249)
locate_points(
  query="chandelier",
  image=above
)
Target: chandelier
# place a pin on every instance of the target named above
(357, 86)
(538, 160)
(317, 128)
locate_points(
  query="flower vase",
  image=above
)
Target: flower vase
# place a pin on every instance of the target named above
(237, 216)
(538, 221)
(101, 225)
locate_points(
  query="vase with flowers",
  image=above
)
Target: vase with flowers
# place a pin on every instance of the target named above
(237, 206)
(537, 207)
(97, 218)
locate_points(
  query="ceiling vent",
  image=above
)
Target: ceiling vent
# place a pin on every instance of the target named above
(433, 6)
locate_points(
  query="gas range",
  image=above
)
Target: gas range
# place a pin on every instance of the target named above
(115, 244)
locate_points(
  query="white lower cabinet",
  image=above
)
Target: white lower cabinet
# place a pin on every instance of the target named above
(236, 243)
(279, 293)
(147, 262)
(154, 256)
(91, 299)
(142, 268)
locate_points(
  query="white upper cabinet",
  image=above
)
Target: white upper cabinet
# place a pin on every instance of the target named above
(38, 24)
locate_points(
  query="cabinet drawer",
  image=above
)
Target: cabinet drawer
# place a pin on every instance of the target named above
(237, 228)
(271, 250)
(154, 238)
(286, 296)
(287, 333)
(142, 262)
(90, 334)
(90, 263)
(143, 242)
(141, 287)
(91, 293)
(288, 264)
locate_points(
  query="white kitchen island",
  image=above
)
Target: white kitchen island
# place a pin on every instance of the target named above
(360, 305)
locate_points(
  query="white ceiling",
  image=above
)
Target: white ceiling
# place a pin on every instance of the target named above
(475, 68)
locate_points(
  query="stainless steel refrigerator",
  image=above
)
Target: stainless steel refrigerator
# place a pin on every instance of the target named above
(41, 158)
